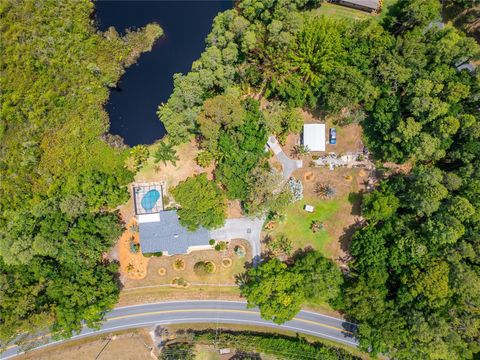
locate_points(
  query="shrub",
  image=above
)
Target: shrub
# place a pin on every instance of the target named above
(157, 254)
(316, 226)
(204, 159)
(221, 246)
(179, 264)
(324, 190)
(202, 268)
(240, 251)
(134, 248)
(138, 155)
(180, 282)
(209, 267)
(211, 242)
(279, 245)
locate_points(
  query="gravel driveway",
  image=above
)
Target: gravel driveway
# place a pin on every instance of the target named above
(288, 165)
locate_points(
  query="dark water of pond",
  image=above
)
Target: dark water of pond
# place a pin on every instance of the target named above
(133, 104)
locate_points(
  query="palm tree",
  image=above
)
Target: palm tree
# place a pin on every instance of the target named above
(166, 153)
(324, 190)
(316, 226)
(241, 279)
(300, 150)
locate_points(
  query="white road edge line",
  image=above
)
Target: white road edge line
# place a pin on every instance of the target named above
(228, 301)
(166, 322)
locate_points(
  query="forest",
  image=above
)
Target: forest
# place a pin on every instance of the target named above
(61, 173)
(413, 285)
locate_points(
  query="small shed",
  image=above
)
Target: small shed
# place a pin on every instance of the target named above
(314, 136)
(309, 208)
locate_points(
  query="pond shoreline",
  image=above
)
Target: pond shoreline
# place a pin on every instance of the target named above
(133, 103)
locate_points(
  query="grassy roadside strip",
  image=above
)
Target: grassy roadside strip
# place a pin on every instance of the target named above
(155, 294)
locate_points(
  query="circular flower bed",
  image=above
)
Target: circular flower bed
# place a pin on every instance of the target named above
(240, 251)
(227, 262)
(203, 268)
(162, 271)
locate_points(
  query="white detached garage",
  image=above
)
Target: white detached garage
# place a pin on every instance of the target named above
(314, 136)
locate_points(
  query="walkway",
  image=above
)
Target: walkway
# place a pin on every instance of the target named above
(242, 228)
(288, 165)
(214, 312)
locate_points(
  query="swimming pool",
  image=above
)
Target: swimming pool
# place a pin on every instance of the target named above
(150, 199)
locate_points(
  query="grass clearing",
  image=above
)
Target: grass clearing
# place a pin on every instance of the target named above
(184, 167)
(344, 12)
(298, 221)
(167, 293)
(339, 11)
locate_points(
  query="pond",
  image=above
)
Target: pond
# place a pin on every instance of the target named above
(132, 106)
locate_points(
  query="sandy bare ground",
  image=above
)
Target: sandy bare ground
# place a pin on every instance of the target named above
(127, 346)
(222, 275)
(132, 265)
(184, 168)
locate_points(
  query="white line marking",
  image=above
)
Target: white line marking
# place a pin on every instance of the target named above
(227, 301)
(166, 322)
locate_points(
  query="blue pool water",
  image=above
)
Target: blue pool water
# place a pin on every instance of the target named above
(150, 199)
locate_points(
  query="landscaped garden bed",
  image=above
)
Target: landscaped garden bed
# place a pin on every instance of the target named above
(184, 266)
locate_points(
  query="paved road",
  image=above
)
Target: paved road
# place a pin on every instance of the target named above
(242, 228)
(289, 165)
(216, 312)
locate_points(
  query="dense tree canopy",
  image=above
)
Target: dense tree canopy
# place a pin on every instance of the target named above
(413, 284)
(202, 203)
(400, 78)
(240, 150)
(279, 289)
(59, 175)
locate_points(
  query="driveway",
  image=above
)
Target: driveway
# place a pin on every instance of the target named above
(208, 312)
(288, 165)
(242, 228)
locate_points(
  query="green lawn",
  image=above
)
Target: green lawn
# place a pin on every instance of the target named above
(344, 12)
(297, 223)
(206, 354)
(340, 11)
